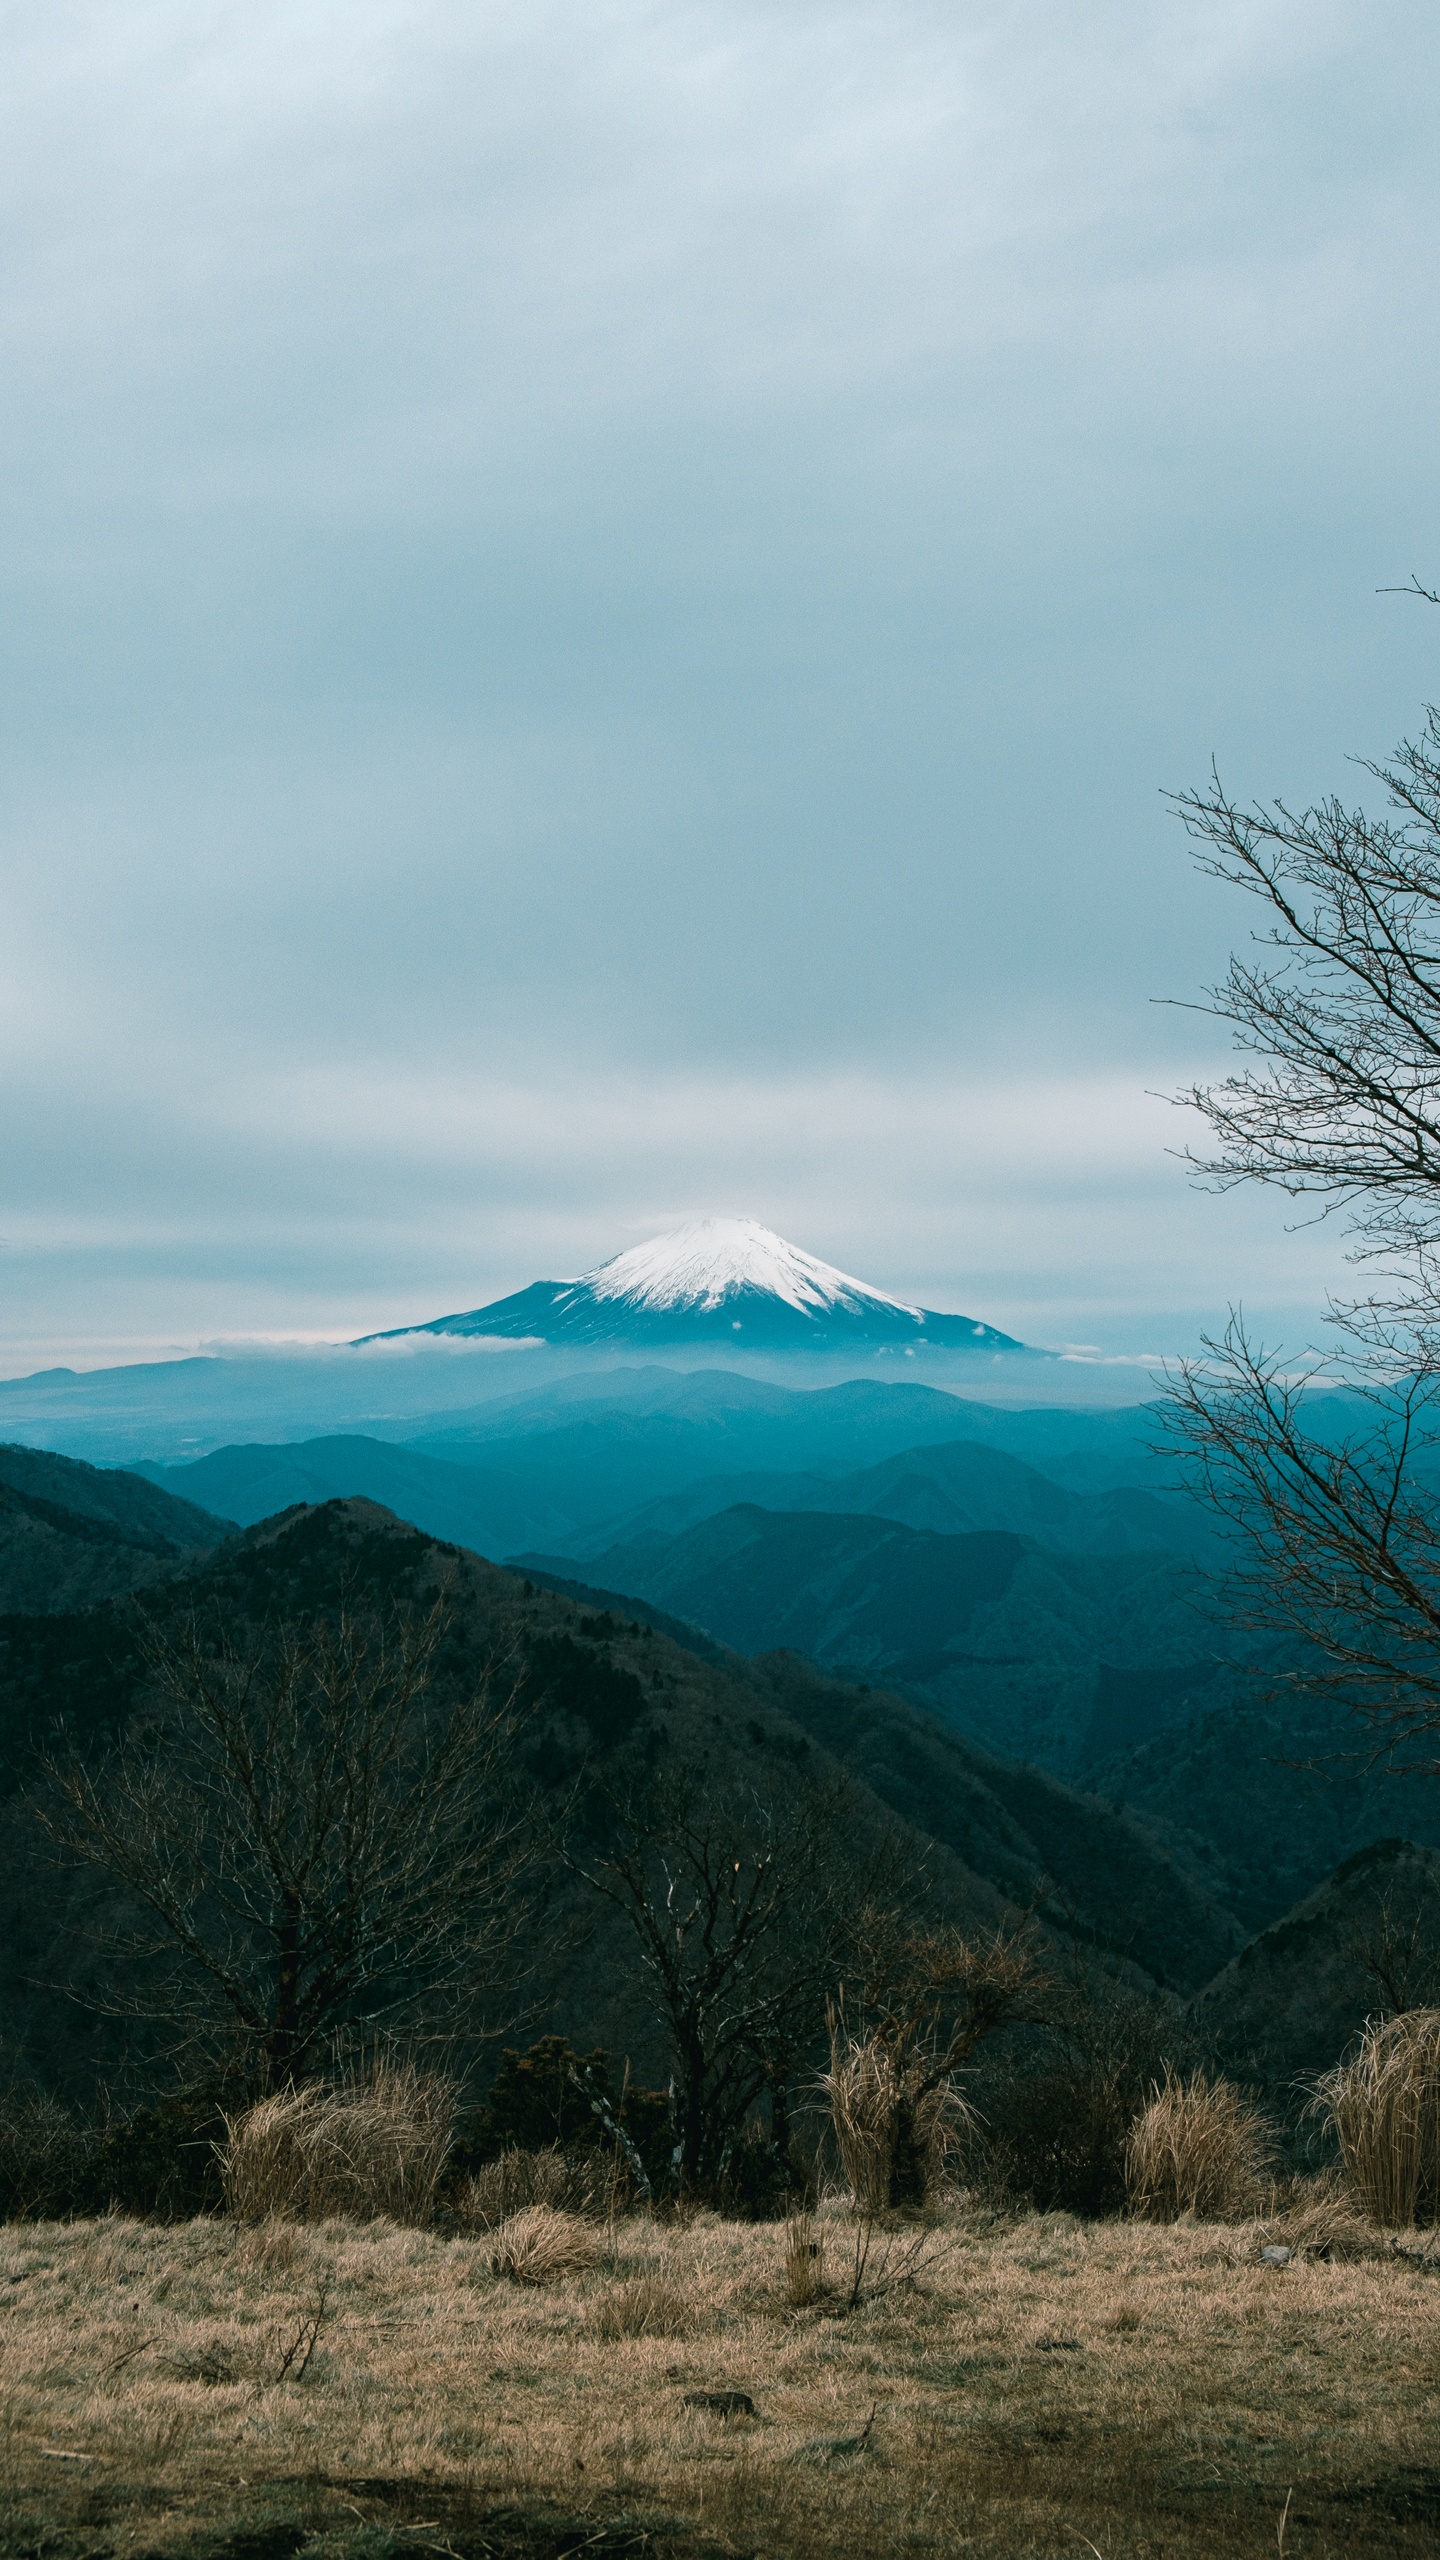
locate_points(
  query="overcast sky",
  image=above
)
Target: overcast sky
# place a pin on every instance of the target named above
(597, 602)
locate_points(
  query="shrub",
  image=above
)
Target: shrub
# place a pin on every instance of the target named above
(359, 2149)
(1196, 2148)
(159, 2160)
(889, 2119)
(758, 2179)
(45, 2155)
(584, 2182)
(544, 2100)
(539, 2244)
(1384, 2108)
(1059, 2106)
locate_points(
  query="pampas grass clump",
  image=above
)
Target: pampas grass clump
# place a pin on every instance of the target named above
(1384, 2107)
(1197, 2148)
(881, 2108)
(357, 2149)
(537, 2245)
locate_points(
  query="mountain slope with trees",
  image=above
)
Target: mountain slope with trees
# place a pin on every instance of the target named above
(72, 1534)
(605, 1703)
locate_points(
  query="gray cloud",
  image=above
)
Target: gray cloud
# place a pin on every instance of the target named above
(663, 556)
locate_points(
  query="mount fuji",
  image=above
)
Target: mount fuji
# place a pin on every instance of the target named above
(723, 1281)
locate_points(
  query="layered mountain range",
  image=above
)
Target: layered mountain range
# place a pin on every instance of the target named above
(1177, 1885)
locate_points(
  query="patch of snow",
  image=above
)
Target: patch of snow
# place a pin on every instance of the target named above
(718, 1258)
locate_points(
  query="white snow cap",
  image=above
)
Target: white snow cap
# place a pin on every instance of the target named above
(717, 1258)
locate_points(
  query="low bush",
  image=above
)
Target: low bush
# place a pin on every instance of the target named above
(362, 2148)
(536, 2246)
(159, 2161)
(1383, 2106)
(1197, 2148)
(887, 2120)
(585, 2182)
(46, 2155)
(1058, 2107)
(551, 2098)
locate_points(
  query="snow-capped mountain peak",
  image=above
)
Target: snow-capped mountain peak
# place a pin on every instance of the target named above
(728, 1283)
(720, 1258)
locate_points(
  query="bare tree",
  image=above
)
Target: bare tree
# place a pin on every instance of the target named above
(740, 1908)
(926, 2000)
(1342, 1014)
(314, 1838)
(1338, 1022)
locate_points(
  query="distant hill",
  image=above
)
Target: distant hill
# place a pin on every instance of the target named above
(955, 1486)
(1362, 1943)
(253, 1480)
(1003, 1636)
(583, 1473)
(72, 1534)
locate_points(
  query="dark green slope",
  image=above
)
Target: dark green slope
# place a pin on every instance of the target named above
(473, 1507)
(1363, 1943)
(1090, 1871)
(1009, 1639)
(598, 1683)
(1115, 1673)
(1265, 1802)
(72, 1534)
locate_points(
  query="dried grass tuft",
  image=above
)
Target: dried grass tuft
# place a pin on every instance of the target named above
(583, 2181)
(1197, 2148)
(1384, 2107)
(1313, 2218)
(539, 2244)
(358, 2149)
(876, 2106)
(804, 2261)
(651, 2305)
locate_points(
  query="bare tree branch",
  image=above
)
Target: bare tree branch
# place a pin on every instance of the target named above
(316, 1835)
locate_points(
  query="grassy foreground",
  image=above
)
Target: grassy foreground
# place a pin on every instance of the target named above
(1037, 2386)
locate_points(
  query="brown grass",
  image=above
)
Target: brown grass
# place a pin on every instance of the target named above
(1384, 2106)
(804, 2260)
(652, 2305)
(1197, 2148)
(375, 2145)
(866, 2089)
(539, 2244)
(1047, 2385)
(584, 2181)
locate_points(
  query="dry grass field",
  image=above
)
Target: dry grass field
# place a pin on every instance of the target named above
(1016, 2386)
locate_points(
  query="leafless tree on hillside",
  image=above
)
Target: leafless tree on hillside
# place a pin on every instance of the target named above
(315, 1839)
(741, 1907)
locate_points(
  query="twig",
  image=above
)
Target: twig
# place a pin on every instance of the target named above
(138, 2349)
(305, 2337)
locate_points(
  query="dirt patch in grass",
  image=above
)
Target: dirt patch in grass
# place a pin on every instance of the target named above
(1156, 2392)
